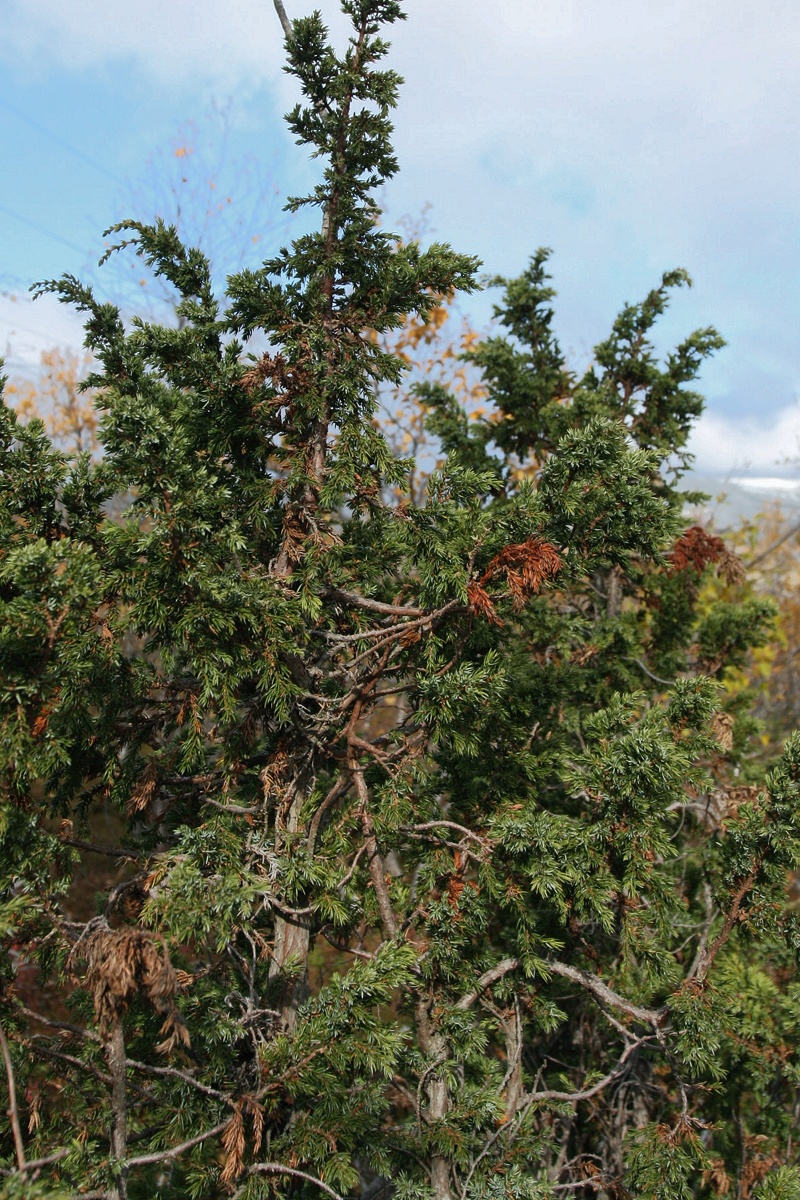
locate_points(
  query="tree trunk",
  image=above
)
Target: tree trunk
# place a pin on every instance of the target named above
(115, 1057)
(292, 940)
(434, 1046)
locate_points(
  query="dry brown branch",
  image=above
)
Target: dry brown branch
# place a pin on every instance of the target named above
(705, 961)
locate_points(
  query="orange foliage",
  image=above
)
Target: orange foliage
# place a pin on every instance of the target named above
(56, 398)
(432, 350)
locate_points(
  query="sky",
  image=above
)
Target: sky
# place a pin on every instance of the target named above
(630, 136)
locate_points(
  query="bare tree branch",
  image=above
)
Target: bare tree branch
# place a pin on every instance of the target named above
(158, 1156)
(60, 1025)
(36, 1164)
(770, 549)
(587, 1093)
(110, 851)
(393, 610)
(286, 24)
(13, 1111)
(650, 1016)
(376, 865)
(704, 961)
(279, 1169)
(487, 979)
(173, 1072)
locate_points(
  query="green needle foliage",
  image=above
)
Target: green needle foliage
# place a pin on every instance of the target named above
(439, 866)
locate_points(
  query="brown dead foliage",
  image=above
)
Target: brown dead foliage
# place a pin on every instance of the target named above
(233, 1145)
(526, 566)
(124, 963)
(758, 1161)
(233, 1136)
(717, 1178)
(285, 377)
(722, 730)
(696, 549)
(142, 794)
(273, 775)
(481, 603)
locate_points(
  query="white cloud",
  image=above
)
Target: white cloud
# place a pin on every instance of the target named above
(27, 327)
(727, 446)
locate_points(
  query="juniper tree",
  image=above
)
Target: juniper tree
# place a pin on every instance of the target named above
(444, 871)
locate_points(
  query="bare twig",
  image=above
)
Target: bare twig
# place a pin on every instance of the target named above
(145, 1160)
(110, 851)
(376, 865)
(13, 1111)
(770, 549)
(393, 610)
(600, 990)
(279, 1169)
(656, 678)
